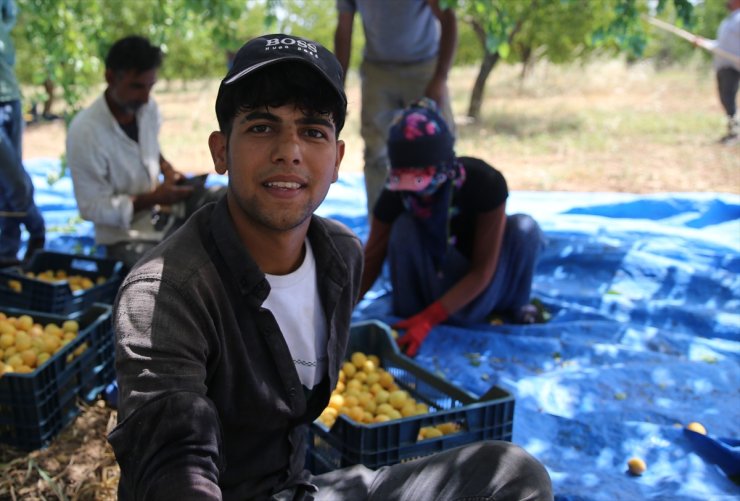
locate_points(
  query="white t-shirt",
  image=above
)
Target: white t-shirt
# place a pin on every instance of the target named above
(295, 303)
(728, 39)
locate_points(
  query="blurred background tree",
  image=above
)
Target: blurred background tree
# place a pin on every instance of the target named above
(62, 43)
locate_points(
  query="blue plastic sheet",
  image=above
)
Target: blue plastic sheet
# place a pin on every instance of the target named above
(644, 292)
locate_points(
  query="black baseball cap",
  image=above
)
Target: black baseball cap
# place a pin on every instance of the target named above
(270, 49)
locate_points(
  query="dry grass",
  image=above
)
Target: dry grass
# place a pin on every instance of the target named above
(78, 465)
(602, 127)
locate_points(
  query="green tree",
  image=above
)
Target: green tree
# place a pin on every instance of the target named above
(556, 30)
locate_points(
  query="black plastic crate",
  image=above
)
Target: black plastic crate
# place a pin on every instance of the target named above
(490, 417)
(58, 297)
(35, 407)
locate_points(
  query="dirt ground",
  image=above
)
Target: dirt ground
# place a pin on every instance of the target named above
(606, 127)
(603, 128)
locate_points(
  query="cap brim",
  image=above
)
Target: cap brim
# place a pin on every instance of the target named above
(262, 64)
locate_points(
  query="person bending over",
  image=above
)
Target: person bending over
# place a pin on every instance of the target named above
(441, 222)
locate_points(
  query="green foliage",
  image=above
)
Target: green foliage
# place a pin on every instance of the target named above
(66, 40)
(562, 30)
(665, 48)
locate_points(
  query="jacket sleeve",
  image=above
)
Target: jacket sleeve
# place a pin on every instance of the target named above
(168, 440)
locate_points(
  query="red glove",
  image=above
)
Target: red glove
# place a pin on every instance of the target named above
(418, 327)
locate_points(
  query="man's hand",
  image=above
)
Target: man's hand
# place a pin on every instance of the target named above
(169, 192)
(418, 327)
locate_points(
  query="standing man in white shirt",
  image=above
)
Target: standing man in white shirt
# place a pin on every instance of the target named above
(115, 159)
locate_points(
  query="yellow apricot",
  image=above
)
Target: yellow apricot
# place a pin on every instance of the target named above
(397, 399)
(349, 369)
(29, 358)
(636, 466)
(7, 340)
(70, 326)
(41, 358)
(358, 359)
(25, 322)
(697, 427)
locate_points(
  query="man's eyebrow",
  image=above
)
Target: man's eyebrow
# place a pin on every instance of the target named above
(260, 115)
(316, 120)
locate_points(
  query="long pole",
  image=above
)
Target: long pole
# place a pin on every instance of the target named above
(702, 42)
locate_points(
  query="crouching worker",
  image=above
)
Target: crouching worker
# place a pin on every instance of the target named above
(231, 332)
(441, 221)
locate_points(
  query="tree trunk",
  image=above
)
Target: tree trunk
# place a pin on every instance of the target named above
(476, 98)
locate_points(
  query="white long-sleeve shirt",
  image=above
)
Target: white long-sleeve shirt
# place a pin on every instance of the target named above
(108, 167)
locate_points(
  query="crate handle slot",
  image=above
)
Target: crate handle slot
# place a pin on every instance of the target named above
(443, 429)
(84, 265)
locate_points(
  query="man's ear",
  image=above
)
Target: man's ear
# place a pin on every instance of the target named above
(338, 162)
(217, 144)
(110, 77)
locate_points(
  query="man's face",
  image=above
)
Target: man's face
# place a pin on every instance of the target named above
(130, 89)
(281, 163)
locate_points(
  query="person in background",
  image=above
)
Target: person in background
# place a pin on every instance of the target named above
(230, 334)
(17, 206)
(728, 71)
(409, 49)
(115, 158)
(441, 222)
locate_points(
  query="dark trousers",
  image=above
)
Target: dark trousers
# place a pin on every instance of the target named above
(727, 85)
(16, 188)
(417, 284)
(481, 471)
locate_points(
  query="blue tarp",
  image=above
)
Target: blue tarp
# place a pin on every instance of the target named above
(644, 292)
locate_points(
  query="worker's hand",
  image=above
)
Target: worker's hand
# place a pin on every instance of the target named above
(169, 192)
(169, 172)
(418, 327)
(436, 89)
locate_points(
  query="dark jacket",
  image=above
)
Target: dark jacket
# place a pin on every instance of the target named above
(210, 401)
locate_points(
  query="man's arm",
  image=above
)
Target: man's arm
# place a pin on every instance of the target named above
(343, 39)
(168, 440)
(376, 249)
(437, 86)
(489, 236)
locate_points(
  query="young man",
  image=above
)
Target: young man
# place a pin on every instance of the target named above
(442, 223)
(17, 207)
(409, 49)
(231, 332)
(115, 160)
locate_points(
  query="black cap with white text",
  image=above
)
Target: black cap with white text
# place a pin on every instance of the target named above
(270, 49)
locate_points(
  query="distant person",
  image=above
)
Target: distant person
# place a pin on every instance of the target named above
(231, 333)
(409, 49)
(17, 207)
(728, 71)
(115, 159)
(441, 222)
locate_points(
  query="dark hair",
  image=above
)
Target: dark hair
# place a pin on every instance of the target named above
(277, 85)
(133, 53)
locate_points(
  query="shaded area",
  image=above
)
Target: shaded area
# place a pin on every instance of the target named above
(645, 333)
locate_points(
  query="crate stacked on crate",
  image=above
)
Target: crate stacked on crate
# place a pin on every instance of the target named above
(38, 404)
(55, 282)
(56, 342)
(464, 417)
